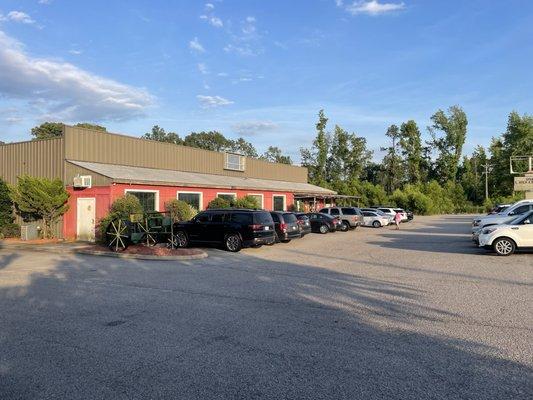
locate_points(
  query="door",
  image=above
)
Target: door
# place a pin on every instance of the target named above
(524, 231)
(86, 219)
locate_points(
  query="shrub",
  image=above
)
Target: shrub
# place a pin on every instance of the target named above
(6, 205)
(247, 202)
(219, 202)
(121, 208)
(40, 198)
(9, 230)
(180, 210)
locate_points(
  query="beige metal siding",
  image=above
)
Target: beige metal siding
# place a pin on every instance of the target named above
(96, 146)
(41, 158)
(74, 170)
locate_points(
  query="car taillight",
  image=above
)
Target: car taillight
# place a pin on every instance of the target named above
(256, 227)
(283, 227)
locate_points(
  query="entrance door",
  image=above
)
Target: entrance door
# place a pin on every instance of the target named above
(85, 219)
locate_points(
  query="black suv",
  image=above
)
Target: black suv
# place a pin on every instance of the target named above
(232, 228)
(287, 227)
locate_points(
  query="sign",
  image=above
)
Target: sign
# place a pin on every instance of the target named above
(523, 183)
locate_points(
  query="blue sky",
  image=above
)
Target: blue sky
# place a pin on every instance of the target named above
(263, 69)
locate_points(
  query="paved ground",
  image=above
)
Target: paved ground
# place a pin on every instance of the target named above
(368, 314)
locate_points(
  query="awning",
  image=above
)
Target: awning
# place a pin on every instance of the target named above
(152, 176)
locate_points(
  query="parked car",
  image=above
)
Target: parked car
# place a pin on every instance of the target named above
(498, 208)
(232, 228)
(387, 210)
(323, 223)
(379, 212)
(506, 238)
(510, 213)
(410, 215)
(286, 226)
(402, 213)
(304, 223)
(372, 218)
(350, 217)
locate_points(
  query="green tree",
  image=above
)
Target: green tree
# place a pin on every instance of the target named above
(316, 158)
(411, 146)
(392, 162)
(449, 146)
(47, 130)
(40, 198)
(243, 147)
(211, 140)
(6, 205)
(348, 156)
(247, 202)
(471, 175)
(180, 210)
(274, 154)
(219, 202)
(88, 125)
(121, 208)
(160, 135)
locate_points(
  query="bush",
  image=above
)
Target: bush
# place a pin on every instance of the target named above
(219, 202)
(179, 210)
(6, 205)
(247, 202)
(121, 208)
(10, 230)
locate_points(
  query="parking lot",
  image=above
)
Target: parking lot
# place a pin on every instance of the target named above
(366, 314)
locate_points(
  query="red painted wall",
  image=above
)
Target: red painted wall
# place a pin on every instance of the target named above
(105, 195)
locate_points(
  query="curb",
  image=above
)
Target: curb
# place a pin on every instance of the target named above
(198, 256)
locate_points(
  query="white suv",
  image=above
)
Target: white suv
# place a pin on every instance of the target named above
(518, 208)
(506, 238)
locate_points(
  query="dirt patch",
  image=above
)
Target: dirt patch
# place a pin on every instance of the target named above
(147, 251)
(34, 241)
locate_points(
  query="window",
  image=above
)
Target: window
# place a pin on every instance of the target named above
(334, 211)
(231, 197)
(349, 211)
(259, 198)
(521, 209)
(203, 217)
(149, 199)
(194, 199)
(235, 162)
(242, 218)
(279, 203)
(290, 218)
(218, 217)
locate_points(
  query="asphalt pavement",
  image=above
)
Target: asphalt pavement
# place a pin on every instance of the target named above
(419, 313)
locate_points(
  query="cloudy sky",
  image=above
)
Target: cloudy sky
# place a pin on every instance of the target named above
(263, 69)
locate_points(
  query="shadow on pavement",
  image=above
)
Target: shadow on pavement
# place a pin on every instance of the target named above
(231, 326)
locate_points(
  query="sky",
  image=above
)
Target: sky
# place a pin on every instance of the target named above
(263, 69)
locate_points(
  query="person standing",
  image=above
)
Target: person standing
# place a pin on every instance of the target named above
(397, 220)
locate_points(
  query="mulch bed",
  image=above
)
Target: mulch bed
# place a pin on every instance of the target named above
(34, 241)
(149, 251)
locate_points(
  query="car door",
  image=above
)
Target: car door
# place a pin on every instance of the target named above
(524, 232)
(198, 227)
(216, 227)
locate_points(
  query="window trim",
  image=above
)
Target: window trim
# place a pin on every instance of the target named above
(262, 205)
(156, 208)
(242, 162)
(284, 201)
(191, 192)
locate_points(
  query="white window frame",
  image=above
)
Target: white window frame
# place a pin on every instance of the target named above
(229, 194)
(262, 205)
(242, 162)
(284, 201)
(147, 191)
(190, 192)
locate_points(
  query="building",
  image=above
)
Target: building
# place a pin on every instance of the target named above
(98, 167)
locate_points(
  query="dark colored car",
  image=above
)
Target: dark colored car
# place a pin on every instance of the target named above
(232, 228)
(410, 215)
(305, 224)
(286, 226)
(323, 223)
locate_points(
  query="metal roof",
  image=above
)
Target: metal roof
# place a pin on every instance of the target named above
(141, 175)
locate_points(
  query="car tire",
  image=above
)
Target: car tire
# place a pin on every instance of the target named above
(181, 238)
(504, 246)
(233, 242)
(345, 226)
(286, 241)
(376, 224)
(323, 229)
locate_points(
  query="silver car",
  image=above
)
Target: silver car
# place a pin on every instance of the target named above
(371, 218)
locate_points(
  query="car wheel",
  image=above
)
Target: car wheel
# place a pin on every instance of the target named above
(323, 229)
(376, 224)
(345, 226)
(504, 246)
(286, 241)
(181, 239)
(233, 242)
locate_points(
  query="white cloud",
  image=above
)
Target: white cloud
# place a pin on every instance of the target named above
(60, 90)
(244, 50)
(75, 52)
(213, 101)
(203, 68)
(251, 128)
(223, 74)
(196, 46)
(17, 16)
(209, 6)
(372, 7)
(46, 2)
(215, 21)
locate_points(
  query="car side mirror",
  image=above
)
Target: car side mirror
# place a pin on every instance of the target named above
(511, 213)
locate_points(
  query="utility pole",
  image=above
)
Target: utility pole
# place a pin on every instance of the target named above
(486, 166)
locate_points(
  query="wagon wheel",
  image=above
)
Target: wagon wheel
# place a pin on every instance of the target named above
(173, 242)
(118, 235)
(149, 238)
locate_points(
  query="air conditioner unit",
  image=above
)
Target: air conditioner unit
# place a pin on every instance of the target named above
(82, 181)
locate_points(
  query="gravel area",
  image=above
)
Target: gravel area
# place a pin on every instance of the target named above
(419, 313)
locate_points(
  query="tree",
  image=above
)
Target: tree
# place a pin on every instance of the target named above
(348, 156)
(219, 202)
(411, 145)
(158, 134)
(6, 205)
(179, 210)
(274, 154)
(449, 146)
(94, 127)
(243, 147)
(47, 130)
(40, 198)
(392, 168)
(247, 202)
(471, 177)
(211, 140)
(316, 158)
